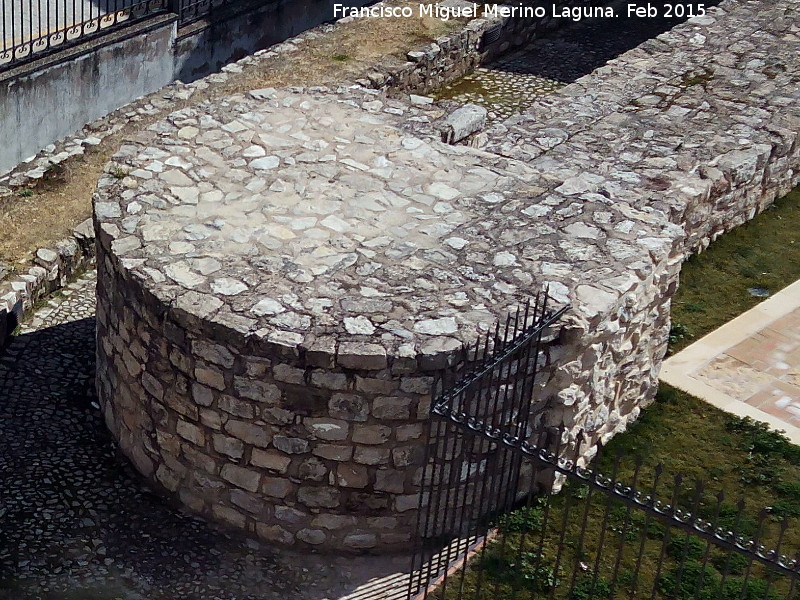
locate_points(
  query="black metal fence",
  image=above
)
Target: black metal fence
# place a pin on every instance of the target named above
(31, 29)
(191, 11)
(508, 511)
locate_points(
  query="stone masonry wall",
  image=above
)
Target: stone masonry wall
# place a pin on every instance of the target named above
(19, 292)
(452, 56)
(603, 370)
(698, 129)
(319, 448)
(601, 192)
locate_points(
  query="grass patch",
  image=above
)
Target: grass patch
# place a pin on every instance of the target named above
(690, 437)
(762, 253)
(118, 172)
(691, 79)
(687, 437)
(750, 474)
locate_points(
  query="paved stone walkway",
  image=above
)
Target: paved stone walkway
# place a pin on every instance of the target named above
(77, 523)
(514, 82)
(749, 366)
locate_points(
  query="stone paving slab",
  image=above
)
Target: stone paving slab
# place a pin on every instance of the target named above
(303, 229)
(750, 366)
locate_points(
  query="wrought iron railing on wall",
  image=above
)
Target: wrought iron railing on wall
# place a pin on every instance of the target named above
(191, 11)
(507, 511)
(32, 29)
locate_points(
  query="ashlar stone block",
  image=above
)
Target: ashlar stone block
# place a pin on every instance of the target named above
(312, 536)
(229, 446)
(249, 502)
(362, 356)
(352, 476)
(240, 476)
(274, 533)
(277, 487)
(349, 407)
(392, 407)
(360, 540)
(270, 459)
(319, 497)
(210, 376)
(333, 452)
(367, 455)
(371, 434)
(327, 429)
(312, 469)
(190, 432)
(249, 433)
(291, 445)
(390, 480)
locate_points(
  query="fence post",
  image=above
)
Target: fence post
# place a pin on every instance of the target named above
(174, 6)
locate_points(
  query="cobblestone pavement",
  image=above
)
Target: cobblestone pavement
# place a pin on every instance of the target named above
(504, 88)
(514, 82)
(77, 523)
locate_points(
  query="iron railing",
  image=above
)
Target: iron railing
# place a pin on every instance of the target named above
(508, 510)
(493, 388)
(190, 11)
(30, 29)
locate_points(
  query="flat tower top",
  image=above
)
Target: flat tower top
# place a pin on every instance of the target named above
(294, 213)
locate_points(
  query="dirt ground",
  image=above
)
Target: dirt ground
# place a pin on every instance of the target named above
(38, 216)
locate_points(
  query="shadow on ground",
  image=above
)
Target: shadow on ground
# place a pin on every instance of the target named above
(513, 83)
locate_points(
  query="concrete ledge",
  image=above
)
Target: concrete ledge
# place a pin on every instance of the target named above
(53, 97)
(91, 43)
(679, 371)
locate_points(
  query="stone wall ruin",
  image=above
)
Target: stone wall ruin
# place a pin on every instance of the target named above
(288, 395)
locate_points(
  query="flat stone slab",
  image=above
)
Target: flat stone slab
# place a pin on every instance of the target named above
(750, 366)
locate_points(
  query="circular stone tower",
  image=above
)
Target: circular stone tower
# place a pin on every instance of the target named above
(280, 275)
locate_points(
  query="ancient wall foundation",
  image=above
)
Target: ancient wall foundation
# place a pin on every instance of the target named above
(317, 446)
(276, 293)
